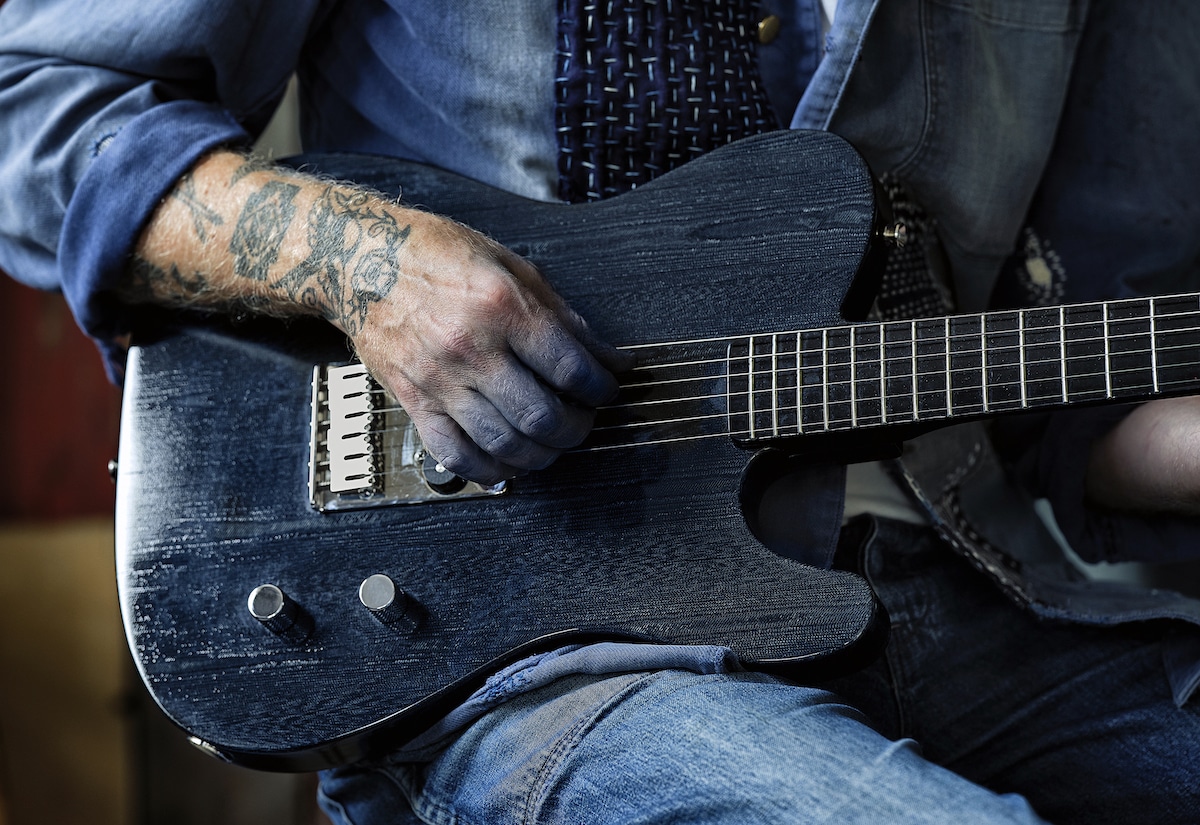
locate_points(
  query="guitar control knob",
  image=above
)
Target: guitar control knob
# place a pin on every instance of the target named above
(439, 479)
(388, 603)
(278, 613)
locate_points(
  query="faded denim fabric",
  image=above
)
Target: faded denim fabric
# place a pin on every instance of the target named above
(1084, 729)
(1116, 216)
(81, 177)
(738, 748)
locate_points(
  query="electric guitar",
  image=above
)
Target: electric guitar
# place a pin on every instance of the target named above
(302, 586)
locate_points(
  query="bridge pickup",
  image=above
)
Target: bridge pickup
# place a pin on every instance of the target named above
(365, 450)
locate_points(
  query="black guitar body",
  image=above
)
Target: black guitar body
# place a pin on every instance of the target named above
(647, 543)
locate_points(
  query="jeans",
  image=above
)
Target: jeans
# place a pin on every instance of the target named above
(977, 713)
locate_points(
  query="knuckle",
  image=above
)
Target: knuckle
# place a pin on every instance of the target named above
(512, 448)
(539, 420)
(494, 295)
(458, 463)
(572, 372)
(456, 338)
(503, 444)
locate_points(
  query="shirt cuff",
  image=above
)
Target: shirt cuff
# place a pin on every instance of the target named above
(132, 171)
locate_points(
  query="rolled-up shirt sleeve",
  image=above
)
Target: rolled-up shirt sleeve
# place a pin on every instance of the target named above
(105, 106)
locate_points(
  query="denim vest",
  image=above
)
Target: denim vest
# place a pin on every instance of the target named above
(969, 131)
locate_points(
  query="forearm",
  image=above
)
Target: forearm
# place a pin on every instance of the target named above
(237, 233)
(467, 335)
(1150, 462)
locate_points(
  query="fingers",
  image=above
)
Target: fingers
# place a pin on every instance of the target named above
(526, 429)
(512, 423)
(567, 354)
(565, 365)
(499, 375)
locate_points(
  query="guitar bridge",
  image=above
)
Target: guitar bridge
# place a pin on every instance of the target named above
(365, 450)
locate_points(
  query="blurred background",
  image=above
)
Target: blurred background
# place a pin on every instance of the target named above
(80, 741)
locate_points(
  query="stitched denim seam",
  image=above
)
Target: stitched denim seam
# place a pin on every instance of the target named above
(921, 146)
(566, 744)
(1064, 27)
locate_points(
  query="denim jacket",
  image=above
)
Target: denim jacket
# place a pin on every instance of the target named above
(907, 108)
(959, 99)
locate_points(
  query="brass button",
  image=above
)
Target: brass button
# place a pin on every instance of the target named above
(768, 28)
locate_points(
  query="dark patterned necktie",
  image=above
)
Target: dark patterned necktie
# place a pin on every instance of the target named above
(643, 86)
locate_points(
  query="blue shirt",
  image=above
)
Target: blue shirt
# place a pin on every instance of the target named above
(106, 105)
(140, 91)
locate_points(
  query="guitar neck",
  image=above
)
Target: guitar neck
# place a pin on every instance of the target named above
(940, 370)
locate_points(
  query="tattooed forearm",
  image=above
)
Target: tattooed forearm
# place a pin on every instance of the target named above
(146, 283)
(261, 229)
(353, 263)
(228, 237)
(203, 217)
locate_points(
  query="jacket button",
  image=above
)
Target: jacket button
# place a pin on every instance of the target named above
(768, 28)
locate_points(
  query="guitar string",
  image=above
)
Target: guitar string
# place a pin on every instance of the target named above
(825, 424)
(873, 372)
(832, 425)
(971, 336)
(874, 378)
(904, 358)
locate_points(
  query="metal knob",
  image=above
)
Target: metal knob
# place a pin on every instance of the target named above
(388, 603)
(277, 612)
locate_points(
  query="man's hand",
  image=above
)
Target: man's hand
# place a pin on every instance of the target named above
(497, 373)
(1150, 462)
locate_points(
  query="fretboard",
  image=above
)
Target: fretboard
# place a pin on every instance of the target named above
(965, 366)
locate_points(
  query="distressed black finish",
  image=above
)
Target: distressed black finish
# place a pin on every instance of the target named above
(641, 543)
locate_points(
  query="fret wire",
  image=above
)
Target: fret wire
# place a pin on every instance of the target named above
(750, 384)
(775, 385)
(912, 349)
(882, 378)
(1021, 356)
(1107, 359)
(853, 380)
(1062, 352)
(729, 394)
(983, 377)
(1153, 345)
(949, 379)
(799, 384)
(825, 376)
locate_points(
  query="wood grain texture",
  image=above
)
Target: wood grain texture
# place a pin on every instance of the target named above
(645, 544)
